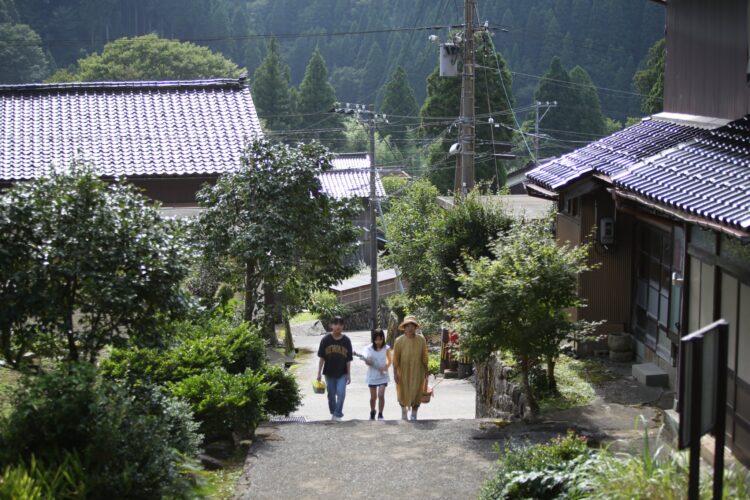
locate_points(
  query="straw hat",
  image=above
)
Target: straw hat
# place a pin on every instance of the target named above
(407, 320)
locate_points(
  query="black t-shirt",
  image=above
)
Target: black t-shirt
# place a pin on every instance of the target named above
(336, 354)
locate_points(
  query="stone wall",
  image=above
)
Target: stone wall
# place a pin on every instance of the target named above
(497, 395)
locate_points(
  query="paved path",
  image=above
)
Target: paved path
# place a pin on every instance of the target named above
(454, 399)
(433, 458)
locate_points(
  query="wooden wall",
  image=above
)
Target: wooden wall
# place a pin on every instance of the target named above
(707, 57)
(607, 288)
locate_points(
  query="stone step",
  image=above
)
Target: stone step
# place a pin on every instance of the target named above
(650, 375)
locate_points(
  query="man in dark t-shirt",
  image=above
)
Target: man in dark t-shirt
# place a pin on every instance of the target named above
(335, 353)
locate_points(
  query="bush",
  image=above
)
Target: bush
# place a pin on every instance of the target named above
(199, 346)
(210, 364)
(225, 403)
(325, 304)
(433, 363)
(538, 471)
(130, 445)
(284, 395)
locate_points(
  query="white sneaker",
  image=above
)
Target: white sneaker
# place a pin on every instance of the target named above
(337, 419)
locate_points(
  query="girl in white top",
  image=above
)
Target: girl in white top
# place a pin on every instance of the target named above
(377, 357)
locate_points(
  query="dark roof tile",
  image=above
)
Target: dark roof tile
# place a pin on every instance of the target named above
(708, 176)
(612, 154)
(131, 129)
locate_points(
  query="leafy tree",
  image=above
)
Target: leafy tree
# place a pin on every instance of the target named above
(21, 55)
(443, 99)
(272, 220)
(271, 92)
(316, 99)
(470, 227)
(70, 245)
(399, 102)
(649, 82)
(149, 57)
(414, 221)
(516, 300)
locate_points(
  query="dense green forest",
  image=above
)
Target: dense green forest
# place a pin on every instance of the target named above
(608, 38)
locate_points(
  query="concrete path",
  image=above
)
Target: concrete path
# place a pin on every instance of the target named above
(454, 399)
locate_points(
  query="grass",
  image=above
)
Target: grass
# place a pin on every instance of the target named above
(303, 317)
(576, 379)
(221, 483)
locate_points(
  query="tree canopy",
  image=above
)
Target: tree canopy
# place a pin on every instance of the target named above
(273, 221)
(316, 100)
(399, 102)
(577, 116)
(71, 244)
(516, 299)
(649, 81)
(21, 55)
(273, 98)
(149, 57)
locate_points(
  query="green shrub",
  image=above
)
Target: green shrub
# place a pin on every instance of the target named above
(537, 471)
(198, 346)
(225, 403)
(284, 396)
(325, 304)
(130, 445)
(398, 303)
(433, 363)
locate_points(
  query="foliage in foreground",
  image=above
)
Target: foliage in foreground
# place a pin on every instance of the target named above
(128, 443)
(220, 368)
(565, 468)
(71, 244)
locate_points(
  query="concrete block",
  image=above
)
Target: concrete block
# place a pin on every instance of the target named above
(650, 375)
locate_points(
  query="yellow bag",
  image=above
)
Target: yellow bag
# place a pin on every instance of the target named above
(319, 387)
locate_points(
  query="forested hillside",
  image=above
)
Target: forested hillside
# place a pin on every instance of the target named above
(608, 38)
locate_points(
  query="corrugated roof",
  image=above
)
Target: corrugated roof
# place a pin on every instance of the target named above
(350, 183)
(613, 153)
(133, 129)
(344, 161)
(708, 176)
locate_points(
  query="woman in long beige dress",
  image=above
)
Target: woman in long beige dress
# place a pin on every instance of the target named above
(410, 367)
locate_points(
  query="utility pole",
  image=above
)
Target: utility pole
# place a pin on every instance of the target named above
(464, 180)
(374, 283)
(366, 116)
(547, 105)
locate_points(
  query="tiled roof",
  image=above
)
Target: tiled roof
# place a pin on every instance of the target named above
(133, 129)
(708, 176)
(351, 183)
(613, 153)
(351, 160)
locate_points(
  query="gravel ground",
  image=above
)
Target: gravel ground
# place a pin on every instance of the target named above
(439, 459)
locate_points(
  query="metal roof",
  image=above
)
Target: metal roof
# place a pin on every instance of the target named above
(708, 176)
(131, 129)
(614, 153)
